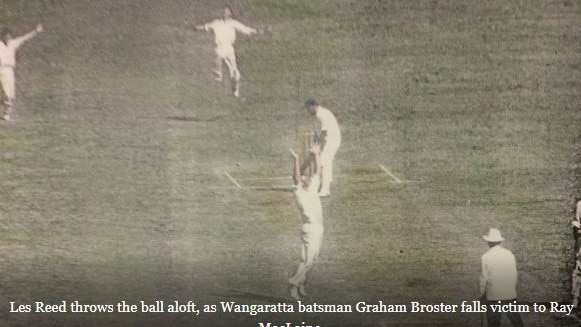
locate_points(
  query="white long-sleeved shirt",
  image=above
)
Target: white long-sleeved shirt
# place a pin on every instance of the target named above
(8, 51)
(225, 30)
(499, 275)
(309, 202)
(329, 124)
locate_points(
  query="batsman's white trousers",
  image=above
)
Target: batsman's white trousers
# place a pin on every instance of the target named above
(227, 53)
(327, 157)
(7, 81)
(312, 237)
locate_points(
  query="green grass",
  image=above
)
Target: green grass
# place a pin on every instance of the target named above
(112, 177)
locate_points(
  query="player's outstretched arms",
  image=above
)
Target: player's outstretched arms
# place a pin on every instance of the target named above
(19, 40)
(202, 28)
(244, 29)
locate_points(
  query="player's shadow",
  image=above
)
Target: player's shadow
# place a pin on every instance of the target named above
(194, 119)
(241, 295)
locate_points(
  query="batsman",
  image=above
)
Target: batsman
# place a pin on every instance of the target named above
(330, 140)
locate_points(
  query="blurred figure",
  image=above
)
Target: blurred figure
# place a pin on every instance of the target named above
(311, 210)
(498, 279)
(8, 48)
(576, 223)
(224, 30)
(576, 281)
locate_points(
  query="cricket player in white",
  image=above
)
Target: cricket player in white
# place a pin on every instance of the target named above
(224, 30)
(8, 48)
(330, 141)
(312, 218)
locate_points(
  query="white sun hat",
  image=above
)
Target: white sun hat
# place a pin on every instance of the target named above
(493, 236)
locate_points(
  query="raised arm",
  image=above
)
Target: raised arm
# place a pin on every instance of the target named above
(205, 27)
(316, 157)
(296, 167)
(21, 39)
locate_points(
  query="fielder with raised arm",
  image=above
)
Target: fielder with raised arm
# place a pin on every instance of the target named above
(224, 30)
(330, 140)
(311, 210)
(8, 48)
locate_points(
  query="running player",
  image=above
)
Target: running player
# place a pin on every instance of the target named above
(8, 48)
(225, 29)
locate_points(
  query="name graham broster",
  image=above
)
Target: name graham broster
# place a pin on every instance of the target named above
(377, 307)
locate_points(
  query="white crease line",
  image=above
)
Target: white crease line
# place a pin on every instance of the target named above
(257, 188)
(232, 179)
(389, 173)
(266, 178)
(270, 188)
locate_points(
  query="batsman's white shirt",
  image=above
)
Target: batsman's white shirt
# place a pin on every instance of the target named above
(499, 275)
(225, 31)
(329, 124)
(332, 142)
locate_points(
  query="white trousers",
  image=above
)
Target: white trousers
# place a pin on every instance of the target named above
(227, 54)
(327, 157)
(7, 82)
(312, 237)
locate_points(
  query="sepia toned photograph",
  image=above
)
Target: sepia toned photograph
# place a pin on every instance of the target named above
(290, 163)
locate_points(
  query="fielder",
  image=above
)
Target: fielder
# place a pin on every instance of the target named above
(312, 218)
(330, 140)
(224, 30)
(8, 48)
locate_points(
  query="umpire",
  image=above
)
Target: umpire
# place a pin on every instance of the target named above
(498, 279)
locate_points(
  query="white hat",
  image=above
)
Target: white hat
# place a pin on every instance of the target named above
(493, 236)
